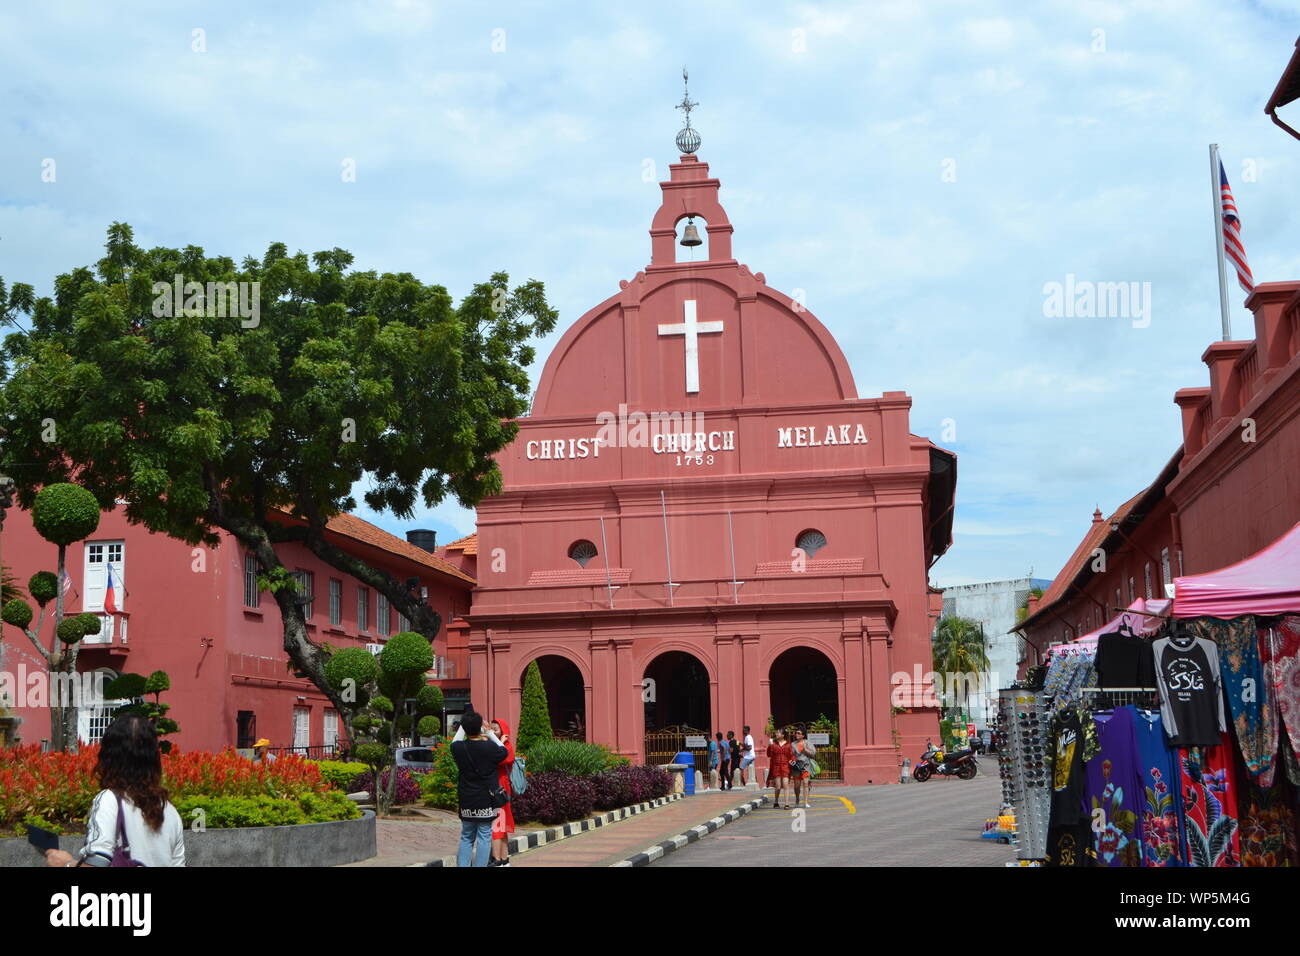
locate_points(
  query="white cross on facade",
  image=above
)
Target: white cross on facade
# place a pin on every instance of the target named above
(691, 328)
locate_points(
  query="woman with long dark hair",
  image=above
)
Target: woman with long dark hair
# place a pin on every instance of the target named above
(131, 818)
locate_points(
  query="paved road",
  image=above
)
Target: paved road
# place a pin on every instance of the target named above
(937, 823)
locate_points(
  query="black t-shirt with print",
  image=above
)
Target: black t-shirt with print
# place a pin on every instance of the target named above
(1067, 778)
(1191, 693)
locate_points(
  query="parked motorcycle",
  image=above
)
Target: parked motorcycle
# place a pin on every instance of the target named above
(962, 764)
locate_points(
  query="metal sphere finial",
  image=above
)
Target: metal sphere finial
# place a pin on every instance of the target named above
(688, 140)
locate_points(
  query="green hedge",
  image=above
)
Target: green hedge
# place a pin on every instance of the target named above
(338, 773)
(572, 757)
(263, 811)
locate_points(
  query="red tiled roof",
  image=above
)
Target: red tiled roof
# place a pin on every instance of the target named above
(1097, 533)
(358, 529)
(468, 544)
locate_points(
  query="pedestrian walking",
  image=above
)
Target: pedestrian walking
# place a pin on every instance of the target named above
(733, 745)
(801, 771)
(724, 761)
(132, 823)
(747, 757)
(779, 758)
(479, 794)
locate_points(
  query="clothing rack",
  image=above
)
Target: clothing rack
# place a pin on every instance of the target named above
(1108, 698)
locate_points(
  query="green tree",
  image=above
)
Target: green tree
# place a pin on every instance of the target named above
(383, 698)
(261, 421)
(534, 712)
(1022, 612)
(62, 514)
(132, 686)
(959, 648)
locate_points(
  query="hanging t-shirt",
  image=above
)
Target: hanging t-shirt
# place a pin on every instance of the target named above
(1071, 845)
(1113, 791)
(1191, 692)
(1124, 660)
(1066, 741)
(1162, 840)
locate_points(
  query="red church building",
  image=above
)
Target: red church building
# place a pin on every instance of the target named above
(703, 525)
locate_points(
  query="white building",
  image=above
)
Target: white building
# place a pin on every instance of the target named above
(994, 605)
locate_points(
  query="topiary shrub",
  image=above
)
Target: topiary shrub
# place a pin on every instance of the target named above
(429, 726)
(354, 664)
(65, 513)
(534, 714)
(406, 654)
(126, 687)
(70, 630)
(90, 623)
(157, 683)
(43, 586)
(553, 798)
(17, 612)
(429, 699)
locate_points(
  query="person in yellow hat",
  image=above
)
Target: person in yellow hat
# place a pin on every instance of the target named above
(261, 752)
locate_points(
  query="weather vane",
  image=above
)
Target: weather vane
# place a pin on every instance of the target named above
(688, 140)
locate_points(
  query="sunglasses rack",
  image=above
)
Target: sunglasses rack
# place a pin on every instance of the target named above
(1026, 715)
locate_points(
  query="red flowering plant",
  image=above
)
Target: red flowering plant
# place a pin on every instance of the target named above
(58, 788)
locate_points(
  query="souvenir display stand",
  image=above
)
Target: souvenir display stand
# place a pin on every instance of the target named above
(1168, 736)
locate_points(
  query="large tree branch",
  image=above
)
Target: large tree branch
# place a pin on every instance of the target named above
(308, 657)
(423, 619)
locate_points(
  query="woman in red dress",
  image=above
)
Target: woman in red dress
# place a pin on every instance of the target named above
(779, 756)
(504, 824)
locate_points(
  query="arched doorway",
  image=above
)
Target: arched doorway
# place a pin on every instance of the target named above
(804, 691)
(675, 691)
(566, 698)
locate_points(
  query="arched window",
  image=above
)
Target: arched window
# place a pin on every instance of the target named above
(582, 552)
(810, 541)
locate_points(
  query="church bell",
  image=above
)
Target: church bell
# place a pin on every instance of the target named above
(691, 237)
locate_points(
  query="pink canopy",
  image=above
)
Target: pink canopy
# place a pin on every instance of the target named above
(1264, 583)
(1140, 623)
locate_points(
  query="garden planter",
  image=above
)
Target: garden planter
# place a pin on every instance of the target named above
(307, 844)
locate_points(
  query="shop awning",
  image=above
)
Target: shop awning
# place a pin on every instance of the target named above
(1265, 583)
(1138, 616)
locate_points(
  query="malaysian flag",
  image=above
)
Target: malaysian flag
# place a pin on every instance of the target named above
(1232, 247)
(67, 583)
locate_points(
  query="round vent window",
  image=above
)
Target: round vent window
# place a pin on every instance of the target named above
(810, 541)
(582, 552)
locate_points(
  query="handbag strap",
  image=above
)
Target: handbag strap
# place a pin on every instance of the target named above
(121, 823)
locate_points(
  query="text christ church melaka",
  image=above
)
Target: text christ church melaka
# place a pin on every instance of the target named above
(702, 525)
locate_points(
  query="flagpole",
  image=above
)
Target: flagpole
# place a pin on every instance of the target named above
(1216, 190)
(668, 551)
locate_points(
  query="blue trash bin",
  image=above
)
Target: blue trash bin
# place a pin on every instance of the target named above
(687, 758)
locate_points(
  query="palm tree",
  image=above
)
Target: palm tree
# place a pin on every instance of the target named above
(959, 648)
(8, 586)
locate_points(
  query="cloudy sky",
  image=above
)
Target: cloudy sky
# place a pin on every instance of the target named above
(921, 169)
